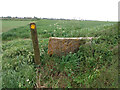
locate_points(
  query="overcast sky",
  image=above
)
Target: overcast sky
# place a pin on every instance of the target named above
(102, 10)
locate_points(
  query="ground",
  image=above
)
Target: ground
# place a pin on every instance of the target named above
(94, 65)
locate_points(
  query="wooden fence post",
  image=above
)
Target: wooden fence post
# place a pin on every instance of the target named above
(35, 43)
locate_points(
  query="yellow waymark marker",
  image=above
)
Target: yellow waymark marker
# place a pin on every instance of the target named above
(32, 26)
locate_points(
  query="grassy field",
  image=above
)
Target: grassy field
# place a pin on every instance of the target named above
(58, 28)
(93, 66)
(10, 24)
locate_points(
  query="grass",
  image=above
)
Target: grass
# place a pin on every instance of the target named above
(95, 65)
(11, 24)
(0, 70)
(58, 28)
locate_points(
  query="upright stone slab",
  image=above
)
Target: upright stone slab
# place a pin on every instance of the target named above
(62, 46)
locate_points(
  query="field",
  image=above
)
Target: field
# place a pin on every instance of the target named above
(10, 24)
(95, 65)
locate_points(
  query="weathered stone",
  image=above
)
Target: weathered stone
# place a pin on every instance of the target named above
(62, 46)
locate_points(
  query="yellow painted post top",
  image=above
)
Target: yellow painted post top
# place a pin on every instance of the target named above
(32, 26)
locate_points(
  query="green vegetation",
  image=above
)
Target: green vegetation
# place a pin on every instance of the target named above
(58, 28)
(10, 24)
(95, 65)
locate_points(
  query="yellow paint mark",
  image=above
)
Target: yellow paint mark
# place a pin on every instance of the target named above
(32, 26)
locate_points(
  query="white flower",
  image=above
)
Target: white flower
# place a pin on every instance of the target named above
(19, 84)
(27, 80)
(45, 30)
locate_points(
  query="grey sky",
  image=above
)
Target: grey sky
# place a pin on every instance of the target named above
(81, 9)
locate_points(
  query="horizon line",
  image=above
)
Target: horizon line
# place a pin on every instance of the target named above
(35, 17)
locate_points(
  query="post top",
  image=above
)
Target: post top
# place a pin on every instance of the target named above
(32, 25)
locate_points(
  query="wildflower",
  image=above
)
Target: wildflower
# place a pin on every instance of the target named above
(45, 30)
(27, 80)
(19, 84)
